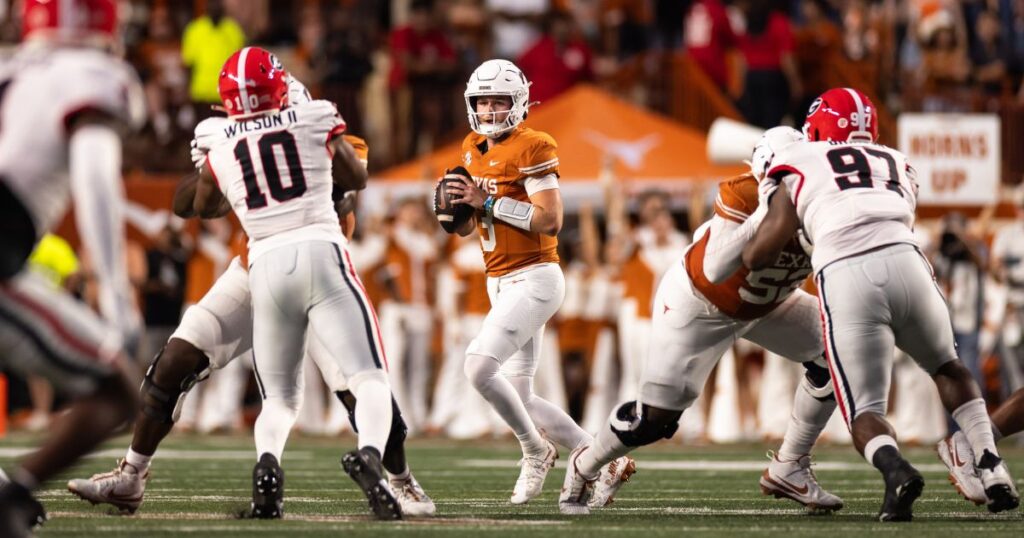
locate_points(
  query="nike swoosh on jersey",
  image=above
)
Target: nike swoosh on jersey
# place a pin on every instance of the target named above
(494, 163)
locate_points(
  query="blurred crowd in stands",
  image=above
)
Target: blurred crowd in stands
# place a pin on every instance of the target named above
(397, 69)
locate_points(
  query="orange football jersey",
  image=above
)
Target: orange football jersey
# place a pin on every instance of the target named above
(503, 171)
(747, 294)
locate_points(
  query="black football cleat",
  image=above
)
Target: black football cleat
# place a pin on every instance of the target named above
(364, 467)
(19, 511)
(902, 487)
(999, 488)
(35, 512)
(267, 489)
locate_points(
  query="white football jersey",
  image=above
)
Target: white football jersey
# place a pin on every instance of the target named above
(41, 89)
(850, 197)
(275, 170)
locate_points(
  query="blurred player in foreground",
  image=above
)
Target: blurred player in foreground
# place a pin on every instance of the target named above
(65, 102)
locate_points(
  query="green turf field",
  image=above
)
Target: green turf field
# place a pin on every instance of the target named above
(198, 483)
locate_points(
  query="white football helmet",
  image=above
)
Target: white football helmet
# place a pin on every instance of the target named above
(772, 141)
(497, 77)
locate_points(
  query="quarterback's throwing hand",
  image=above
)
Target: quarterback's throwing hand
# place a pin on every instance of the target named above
(468, 193)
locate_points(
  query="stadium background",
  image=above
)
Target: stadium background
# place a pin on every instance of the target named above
(629, 88)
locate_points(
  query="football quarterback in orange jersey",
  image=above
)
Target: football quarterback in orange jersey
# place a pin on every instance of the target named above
(703, 304)
(514, 189)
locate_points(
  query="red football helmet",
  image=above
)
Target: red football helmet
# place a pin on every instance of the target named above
(842, 115)
(253, 81)
(69, 20)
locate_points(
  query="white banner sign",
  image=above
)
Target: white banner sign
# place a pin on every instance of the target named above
(956, 156)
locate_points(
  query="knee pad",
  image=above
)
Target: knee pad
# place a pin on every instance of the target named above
(636, 429)
(164, 404)
(817, 381)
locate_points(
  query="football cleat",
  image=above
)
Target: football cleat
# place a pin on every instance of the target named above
(20, 512)
(36, 514)
(1000, 492)
(15, 508)
(902, 487)
(123, 487)
(267, 489)
(531, 477)
(795, 480)
(956, 453)
(612, 476)
(576, 489)
(411, 497)
(364, 467)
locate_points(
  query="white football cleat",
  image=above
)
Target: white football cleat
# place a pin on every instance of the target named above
(576, 488)
(956, 453)
(531, 477)
(1000, 493)
(610, 480)
(794, 480)
(411, 497)
(123, 487)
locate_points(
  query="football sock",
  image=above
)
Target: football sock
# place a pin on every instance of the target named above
(498, 390)
(882, 452)
(548, 417)
(139, 461)
(972, 417)
(809, 417)
(273, 426)
(373, 412)
(607, 446)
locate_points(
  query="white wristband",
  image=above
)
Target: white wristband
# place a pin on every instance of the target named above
(514, 212)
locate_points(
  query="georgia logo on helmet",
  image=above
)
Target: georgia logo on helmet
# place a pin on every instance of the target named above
(497, 77)
(253, 81)
(70, 21)
(842, 115)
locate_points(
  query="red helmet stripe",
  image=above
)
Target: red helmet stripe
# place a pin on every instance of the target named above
(243, 93)
(859, 104)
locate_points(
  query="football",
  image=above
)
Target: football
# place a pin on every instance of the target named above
(451, 216)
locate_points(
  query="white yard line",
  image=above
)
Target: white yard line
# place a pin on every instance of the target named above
(436, 521)
(169, 453)
(711, 465)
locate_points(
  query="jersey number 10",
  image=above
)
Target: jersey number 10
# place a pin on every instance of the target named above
(255, 198)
